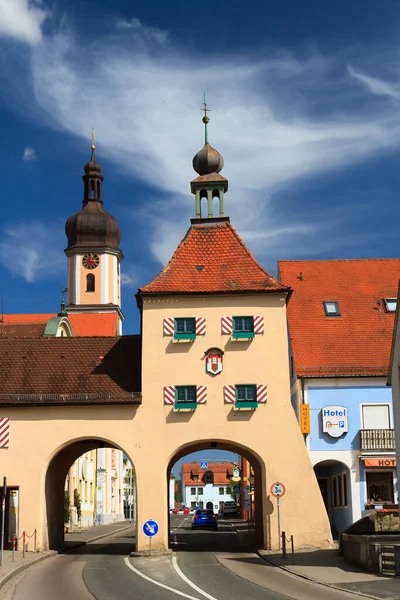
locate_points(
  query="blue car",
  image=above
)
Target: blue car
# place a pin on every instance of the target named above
(204, 518)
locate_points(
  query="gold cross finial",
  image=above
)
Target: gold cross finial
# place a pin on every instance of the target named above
(93, 146)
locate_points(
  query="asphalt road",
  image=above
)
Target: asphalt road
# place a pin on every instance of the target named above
(218, 565)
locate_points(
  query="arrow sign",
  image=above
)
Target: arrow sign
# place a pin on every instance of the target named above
(150, 528)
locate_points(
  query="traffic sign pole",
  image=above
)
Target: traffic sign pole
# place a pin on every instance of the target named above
(279, 521)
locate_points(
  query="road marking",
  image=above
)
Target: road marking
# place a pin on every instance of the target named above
(166, 587)
(193, 585)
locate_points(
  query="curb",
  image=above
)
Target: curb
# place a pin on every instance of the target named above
(21, 568)
(50, 553)
(94, 539)
(315, 581)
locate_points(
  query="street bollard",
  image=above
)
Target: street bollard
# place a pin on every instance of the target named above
(23, 544)
(34, 541)
(292, 545)
(13, 547)
(283, 544)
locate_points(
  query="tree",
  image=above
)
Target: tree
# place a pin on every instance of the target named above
(66, 506)
(77, 504)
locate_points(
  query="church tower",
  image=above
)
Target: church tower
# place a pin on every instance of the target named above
(93, 251)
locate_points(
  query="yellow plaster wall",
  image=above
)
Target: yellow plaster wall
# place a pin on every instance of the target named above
(152, 434)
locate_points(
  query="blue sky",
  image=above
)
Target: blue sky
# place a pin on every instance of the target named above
(304, 100)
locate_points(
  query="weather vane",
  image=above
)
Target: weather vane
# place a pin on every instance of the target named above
(206, 118)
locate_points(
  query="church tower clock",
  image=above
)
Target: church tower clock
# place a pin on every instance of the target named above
(93, 251)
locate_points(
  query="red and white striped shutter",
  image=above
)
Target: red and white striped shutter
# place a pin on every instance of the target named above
(169, 394)
(226, 325)
(229, 394)
(169, 326)
(200, 326)
(258, 324)
(261, 394)
(201, 394)
(4, 432)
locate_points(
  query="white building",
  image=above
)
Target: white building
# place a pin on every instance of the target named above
(206, 484)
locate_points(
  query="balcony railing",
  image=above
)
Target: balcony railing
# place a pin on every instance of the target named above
(377, 440)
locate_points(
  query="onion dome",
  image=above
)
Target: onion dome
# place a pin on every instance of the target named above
(208, 160)
(92, 226)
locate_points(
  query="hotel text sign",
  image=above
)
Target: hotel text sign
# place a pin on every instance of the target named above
(305, 418)
(334, 420)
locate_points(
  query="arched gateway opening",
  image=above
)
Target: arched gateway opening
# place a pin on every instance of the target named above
(57, 481)
(228, 485)
(333, 479)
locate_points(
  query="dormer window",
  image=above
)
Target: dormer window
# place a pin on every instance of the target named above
(331, 309)
(390, 304)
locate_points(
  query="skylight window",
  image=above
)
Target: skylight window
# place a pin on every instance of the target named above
(390, 304)
(331, 309)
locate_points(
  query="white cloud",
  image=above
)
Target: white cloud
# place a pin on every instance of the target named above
(275, 118)
(374, 85)
(29, 154)
(22, 20)
(31, 251)
(143, 32)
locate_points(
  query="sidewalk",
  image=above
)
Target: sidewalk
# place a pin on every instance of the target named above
(72, 540)
(327, 567)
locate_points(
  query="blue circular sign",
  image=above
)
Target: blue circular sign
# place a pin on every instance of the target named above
(150, 528)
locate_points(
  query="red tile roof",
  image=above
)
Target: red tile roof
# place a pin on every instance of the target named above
(358, 342)
(23, 325)
(212, 258)
(83, 324)
(222, 473)
(86, 370)
(94, 324)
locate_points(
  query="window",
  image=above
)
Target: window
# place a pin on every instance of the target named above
(390, 304)
(380, 486)
(193, 505)
(199, 491)
(185, 329)
(185, 394)
(376, 416)
(331, 309)
(339, 490)
(209, 477)
(195, 477)
(228, 491)
(221, 491)
(192, 491)
(90, 283)
(246, 396)
(243, 327)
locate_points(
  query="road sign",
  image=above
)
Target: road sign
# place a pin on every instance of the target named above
(150, 528)
(204, 465)
(236, 472)
(236, 489)
(277, 489)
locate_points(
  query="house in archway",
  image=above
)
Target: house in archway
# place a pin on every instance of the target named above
(207, 487)
(340, 320)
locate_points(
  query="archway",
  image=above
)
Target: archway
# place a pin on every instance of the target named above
(55, 484)
(247, 504)
(334, 483)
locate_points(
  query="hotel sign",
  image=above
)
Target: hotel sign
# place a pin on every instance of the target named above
(305, 418)
(380, 462)
(334, 420)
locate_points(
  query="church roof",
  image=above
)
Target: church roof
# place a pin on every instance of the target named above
(34, 325)
(358, 340)
(212, 258)
(65, 371)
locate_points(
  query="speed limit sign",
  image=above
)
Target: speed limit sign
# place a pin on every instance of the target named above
(277, 489)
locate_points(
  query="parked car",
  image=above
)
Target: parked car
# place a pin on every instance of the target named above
(204, 517)
(230, 508)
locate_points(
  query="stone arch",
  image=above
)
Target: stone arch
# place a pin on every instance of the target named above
(262, 526)
(58, 465)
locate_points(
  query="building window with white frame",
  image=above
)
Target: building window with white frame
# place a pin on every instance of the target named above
(193, 491)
